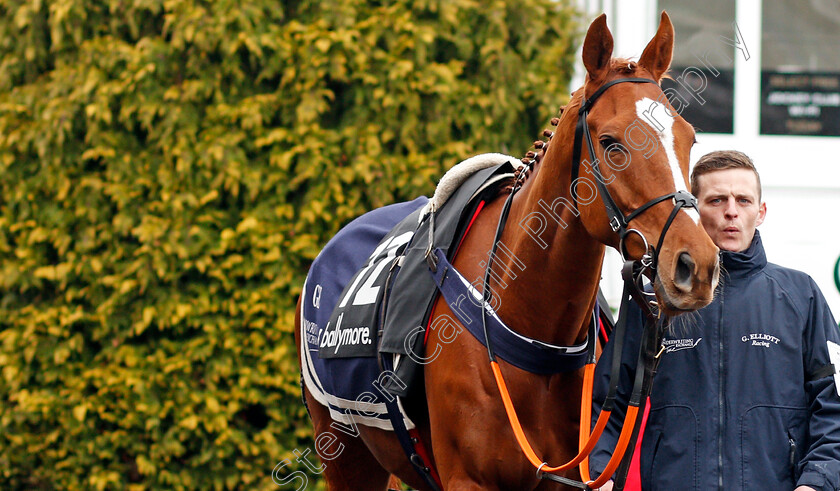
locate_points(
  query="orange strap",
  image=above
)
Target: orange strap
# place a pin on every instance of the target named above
(620, 448)
(585, 420)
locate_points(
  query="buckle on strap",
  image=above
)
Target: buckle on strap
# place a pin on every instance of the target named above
(622, 248)
(684, 199)
(431, 259)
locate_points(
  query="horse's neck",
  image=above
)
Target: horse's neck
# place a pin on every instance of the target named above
(556, 263)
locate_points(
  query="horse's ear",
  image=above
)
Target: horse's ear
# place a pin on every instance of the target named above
(597, 48)
(656, 57)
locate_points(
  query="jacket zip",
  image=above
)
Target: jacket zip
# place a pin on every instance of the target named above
(720, 396)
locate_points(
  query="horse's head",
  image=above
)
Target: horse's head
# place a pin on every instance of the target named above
(642, 148)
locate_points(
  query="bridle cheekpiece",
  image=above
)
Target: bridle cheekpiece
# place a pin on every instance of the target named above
(619, 223)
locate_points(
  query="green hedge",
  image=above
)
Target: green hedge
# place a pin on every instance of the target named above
(168, 170)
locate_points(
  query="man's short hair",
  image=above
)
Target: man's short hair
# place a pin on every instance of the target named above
(722, 160)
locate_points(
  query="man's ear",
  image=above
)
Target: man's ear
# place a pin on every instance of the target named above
(762, 212)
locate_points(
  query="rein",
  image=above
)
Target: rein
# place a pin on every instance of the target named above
(618, 221)
(650, 353)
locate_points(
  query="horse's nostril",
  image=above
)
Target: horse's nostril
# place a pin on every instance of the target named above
(684, 271)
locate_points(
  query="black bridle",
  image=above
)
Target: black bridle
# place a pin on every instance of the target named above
(617, 220)
(632, 273)
(655, 325)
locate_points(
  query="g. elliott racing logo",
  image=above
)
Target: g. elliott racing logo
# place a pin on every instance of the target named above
(759, 339)
(343, 337)
(672, 345)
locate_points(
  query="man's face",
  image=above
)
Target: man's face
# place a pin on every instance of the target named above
(729, 207)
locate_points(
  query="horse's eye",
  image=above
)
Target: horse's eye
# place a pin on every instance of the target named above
(606, 141)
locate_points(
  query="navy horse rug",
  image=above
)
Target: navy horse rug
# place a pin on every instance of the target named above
(370, 287)
(339, 357)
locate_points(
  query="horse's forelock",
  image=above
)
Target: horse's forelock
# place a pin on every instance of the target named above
(624, 66)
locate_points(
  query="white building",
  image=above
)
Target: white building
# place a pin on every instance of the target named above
(762, 77)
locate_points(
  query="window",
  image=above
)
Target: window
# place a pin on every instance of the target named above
(703, 85)
(800, 67)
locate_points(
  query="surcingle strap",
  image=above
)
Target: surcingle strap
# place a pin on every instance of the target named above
(528, 354)
(411, 445)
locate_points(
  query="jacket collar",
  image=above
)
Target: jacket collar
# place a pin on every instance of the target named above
(747, 262)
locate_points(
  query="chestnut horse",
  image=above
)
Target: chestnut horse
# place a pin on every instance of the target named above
(643, 146)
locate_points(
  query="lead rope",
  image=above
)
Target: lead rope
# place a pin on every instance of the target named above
(645, 370)
(649, 358)
(587, 441)
(646, 365)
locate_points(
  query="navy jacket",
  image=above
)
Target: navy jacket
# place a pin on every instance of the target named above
(742, 399)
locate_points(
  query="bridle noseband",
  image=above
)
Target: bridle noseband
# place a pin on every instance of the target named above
(618, 221)
(652, 335)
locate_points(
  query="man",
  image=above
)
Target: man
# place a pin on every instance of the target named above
(745, 397)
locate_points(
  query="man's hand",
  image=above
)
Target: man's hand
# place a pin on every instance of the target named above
(609, 485)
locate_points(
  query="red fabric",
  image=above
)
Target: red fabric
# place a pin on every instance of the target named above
(603, 330)
(634, 478)
(424, 456)
(467, 230)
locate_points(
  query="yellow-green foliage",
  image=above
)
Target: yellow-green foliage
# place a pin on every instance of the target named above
(168, 170)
